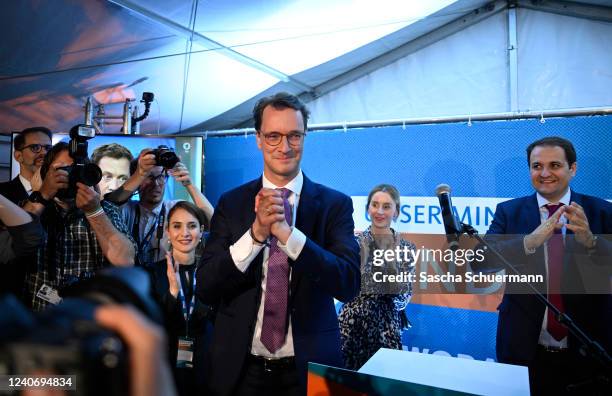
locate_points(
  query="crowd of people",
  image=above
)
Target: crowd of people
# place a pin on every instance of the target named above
(247, 289)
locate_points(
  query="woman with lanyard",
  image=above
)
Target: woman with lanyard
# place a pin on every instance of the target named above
(187, 320)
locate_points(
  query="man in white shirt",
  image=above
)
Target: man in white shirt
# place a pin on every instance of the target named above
(146, 218)
(281, 249)
(553, 232)
(30, 147)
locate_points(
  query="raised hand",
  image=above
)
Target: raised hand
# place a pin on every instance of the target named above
(171, 270)
(269, 210)
(56, 179)
(579, 225)
(180, 174)
(87, 199)
(543, 233)
(146, 162)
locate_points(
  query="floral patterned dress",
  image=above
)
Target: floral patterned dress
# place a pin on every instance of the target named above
(373, 319)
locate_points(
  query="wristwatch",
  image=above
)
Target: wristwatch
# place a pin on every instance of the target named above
(37, 197)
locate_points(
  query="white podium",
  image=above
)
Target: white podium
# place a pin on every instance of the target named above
(453, 374)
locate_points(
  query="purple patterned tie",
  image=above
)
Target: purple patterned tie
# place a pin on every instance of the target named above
(273, 329)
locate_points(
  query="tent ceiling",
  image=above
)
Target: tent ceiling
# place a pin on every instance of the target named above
(55, 54)
(118, 49)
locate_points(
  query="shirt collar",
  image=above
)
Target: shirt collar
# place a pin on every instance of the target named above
(565, 199)
(295, 185)
(155, 211)
(26, 184)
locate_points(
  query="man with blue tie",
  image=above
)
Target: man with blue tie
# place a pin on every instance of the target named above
(557, 225)
(281, 248)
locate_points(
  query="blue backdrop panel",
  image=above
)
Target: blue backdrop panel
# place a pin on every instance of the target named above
(485, 160)
(451, 331)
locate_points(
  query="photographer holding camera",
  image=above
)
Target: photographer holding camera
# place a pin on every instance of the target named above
(146, 218)
(84, 234)
(105, 336)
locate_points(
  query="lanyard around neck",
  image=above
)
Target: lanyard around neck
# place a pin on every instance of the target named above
(159, 224)
(187, 308)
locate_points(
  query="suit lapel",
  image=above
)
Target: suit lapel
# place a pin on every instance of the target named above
(570, 242)
(575, 197)
(307, 214)
(249, 217)
(532, 213)
(18, 192)
(307, 207)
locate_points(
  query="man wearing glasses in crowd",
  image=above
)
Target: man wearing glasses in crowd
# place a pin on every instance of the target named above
(30, 145)
(146, 218)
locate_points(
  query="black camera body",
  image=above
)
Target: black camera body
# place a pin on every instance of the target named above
(88, 174)
(147, 97)
(81, 170)
(165, 157)
(66, 340)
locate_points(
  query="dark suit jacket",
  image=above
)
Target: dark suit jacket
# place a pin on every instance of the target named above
(200, 325)
(12, 277)
(327, 268)
(13, 190)
(521, 315)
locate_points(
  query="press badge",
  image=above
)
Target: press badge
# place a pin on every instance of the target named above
(184, 357)
(49, 294)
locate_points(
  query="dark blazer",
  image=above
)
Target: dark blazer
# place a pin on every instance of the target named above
(200, 329)
(12, 277)
(13, 190)
(521, 315)
(327, 268)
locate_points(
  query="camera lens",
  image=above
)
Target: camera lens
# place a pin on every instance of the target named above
(91, 174)
(165, 157)
(168, 159)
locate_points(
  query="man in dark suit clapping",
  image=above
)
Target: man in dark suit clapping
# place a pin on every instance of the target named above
(30, 147)
(559, 233)
(281, 249)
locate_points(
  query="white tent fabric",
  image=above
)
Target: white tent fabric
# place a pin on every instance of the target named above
(563, 62)
(208, 62)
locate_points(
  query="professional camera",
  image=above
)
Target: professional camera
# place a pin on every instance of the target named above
(165, 156)
(66, 340)
(81, 170)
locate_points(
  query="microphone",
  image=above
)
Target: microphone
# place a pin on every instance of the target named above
(452, 226)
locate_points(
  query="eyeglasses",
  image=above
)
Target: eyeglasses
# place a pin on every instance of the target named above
(35, 148)
(274, 138)
(160, 179)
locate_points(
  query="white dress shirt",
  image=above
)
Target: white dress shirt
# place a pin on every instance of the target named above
(147, 223)
(26, 184)
(245, 250)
